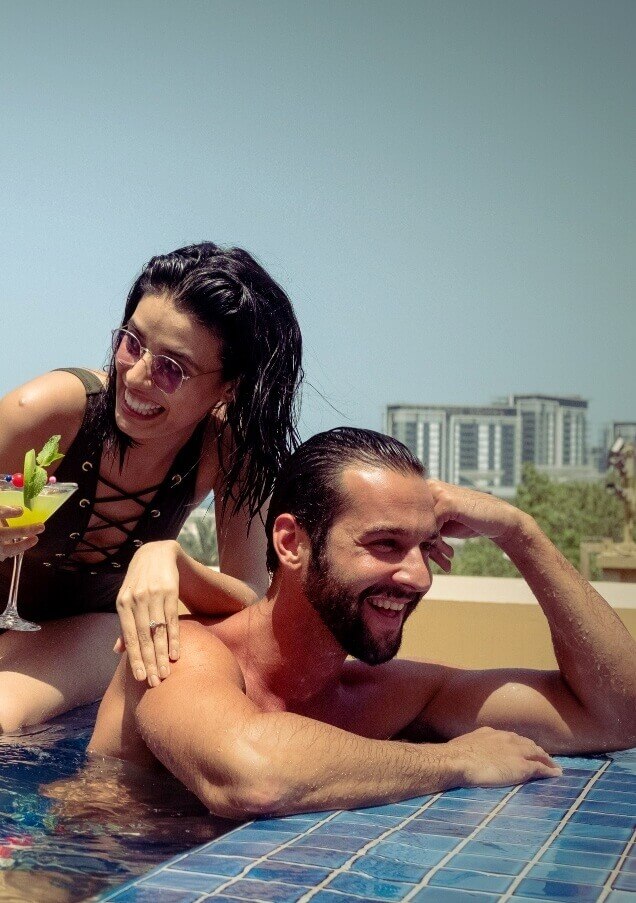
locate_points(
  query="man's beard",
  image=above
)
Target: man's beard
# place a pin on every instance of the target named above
(342, 612)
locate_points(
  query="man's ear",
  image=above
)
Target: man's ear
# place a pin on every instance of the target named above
(290, 541)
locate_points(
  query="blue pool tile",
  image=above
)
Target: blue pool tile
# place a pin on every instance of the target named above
(293, 823)
(585, 859)
(311, 856)
(185, 881)
(604, 832)
(626, 809)
(415, 855)
(369, 888)
(448, 816)
(349, 829)
(529, 840)
(620, 783)
(263, 835)
(519, 823)
(222, 896)
(268, 892)
(288, 873)
(551, 871)
(401, 853)
(461, 805)
(626, 881)
(581, 763)
(328, 842)
(479, 847)
(390, 870)
(439, 827)
(594, 818)
(587, 844)
(253, 849)
(138, 894)
(332, 896)
(524, 809)
(449, 895)
(611, 796)
(395, 810)
(620, 896)
(557, 890)
(226, 866)
(494, 794)
(371, 823)
(491, 864)
(455, 878)
(419, 841)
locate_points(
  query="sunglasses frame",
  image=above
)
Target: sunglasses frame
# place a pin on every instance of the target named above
(121, 333)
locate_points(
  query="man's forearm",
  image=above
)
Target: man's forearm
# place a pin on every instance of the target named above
(282, 763)
(595, 652)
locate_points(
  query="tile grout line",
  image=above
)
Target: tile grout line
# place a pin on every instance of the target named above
(206, 895)
(545, 846)
(607, 887)
(460, 846)
(346, 866)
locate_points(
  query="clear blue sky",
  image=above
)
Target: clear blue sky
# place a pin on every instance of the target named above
(446, 189)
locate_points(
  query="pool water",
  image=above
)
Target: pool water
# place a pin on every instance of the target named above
(71, 826)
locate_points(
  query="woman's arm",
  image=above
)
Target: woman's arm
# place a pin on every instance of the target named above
(29, 415)
(159, 574)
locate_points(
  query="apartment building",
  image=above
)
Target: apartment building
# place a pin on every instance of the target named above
(485, 446)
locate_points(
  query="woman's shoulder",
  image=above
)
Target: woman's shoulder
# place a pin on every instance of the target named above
(53, 403)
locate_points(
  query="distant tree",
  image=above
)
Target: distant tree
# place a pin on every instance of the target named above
(568, 513)
(481, 557)
(198, 536)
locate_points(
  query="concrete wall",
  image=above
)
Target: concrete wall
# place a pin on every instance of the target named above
(486, 622)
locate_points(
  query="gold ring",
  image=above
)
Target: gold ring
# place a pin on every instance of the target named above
(154, 624)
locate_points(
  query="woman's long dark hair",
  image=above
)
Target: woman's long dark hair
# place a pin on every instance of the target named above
(230, 294)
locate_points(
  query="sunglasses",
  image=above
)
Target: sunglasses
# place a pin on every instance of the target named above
(166, 374)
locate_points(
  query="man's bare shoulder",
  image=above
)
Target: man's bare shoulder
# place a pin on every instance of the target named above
(202, 650)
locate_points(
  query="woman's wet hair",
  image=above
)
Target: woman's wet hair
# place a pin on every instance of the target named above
(229, 293)
(309, 486)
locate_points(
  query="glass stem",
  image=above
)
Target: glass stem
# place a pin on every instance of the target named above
(15, 582)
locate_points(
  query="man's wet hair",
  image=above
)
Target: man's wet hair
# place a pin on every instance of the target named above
(308, 484)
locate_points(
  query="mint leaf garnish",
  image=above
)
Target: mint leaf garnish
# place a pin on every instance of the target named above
(35, 486)
(35, 476)
(50, 452)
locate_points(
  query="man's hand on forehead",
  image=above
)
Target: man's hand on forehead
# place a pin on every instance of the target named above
(465, 513)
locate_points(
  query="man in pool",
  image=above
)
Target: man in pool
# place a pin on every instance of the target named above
(265, 714)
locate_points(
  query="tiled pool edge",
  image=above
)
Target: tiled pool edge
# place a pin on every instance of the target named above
(453, 846)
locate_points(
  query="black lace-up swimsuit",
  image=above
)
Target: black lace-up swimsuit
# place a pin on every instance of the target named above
(54, 583)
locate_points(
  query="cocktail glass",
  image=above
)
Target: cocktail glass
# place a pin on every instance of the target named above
(42, 507)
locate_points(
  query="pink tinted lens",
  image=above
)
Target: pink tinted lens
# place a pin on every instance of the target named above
(127, 347)
(166, 373)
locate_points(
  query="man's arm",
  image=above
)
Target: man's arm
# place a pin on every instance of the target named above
(242, 761)
(590, 703)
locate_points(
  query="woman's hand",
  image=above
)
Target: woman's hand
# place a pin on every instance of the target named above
(14, 540)
(147, 606)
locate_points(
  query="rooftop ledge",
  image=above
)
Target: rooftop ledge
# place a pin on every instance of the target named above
(514, 590)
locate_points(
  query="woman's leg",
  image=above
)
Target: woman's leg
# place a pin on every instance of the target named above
(65, 664)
